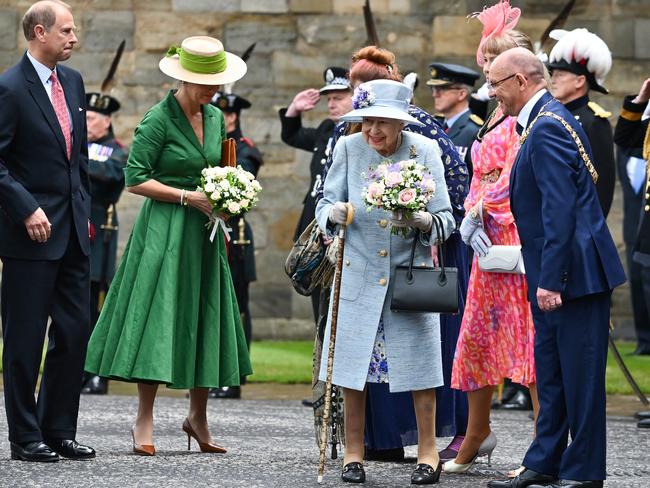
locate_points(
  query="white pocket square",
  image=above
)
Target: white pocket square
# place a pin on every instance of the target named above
(81, 109)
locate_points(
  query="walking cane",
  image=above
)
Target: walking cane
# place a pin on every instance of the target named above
(621, 364)
(327, 410)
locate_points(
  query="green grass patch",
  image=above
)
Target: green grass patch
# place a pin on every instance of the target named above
(290, 362)
(281, 361)
(639, 366)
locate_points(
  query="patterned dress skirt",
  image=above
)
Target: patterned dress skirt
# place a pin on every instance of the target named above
(378, 367)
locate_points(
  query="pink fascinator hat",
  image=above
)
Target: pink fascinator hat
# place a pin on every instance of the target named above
(496, 19)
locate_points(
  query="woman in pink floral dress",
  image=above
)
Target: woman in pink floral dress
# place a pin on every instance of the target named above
(496, 338)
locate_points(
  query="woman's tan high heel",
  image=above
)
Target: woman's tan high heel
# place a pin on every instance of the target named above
(204, 446)
(142, 449)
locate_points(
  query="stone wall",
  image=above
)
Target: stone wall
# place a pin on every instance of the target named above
(296, 39)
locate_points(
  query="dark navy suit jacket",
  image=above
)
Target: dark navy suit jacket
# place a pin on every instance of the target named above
(565, 241)
(34, 167)
(462, 134)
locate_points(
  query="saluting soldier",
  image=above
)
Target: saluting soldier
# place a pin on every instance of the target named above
(241, 249)
(633, 133)
(579, 62)
(107, 157)
(318, 140)
(451, 88)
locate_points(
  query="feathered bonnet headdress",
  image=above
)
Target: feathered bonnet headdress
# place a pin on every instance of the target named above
(583, 53)
(496, 19)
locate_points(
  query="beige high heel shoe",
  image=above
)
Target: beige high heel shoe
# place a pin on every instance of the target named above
(485, 449)
(142, 449)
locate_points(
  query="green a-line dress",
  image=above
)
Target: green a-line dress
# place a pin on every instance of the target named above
(171, 314)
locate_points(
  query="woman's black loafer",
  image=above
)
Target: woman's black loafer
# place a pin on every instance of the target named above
(424, 474)
(353, 473)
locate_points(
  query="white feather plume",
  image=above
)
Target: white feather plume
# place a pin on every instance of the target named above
(410, 79)
(580, 44)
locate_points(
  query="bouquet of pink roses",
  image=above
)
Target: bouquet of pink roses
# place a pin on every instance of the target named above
(404, 186)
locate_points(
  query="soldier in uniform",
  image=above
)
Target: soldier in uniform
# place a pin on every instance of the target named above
(578, 63)
(451, 87)
(318, 140)
(633, 133)
(241, 249)
(106, 159)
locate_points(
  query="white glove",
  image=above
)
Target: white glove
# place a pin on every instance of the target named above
(420, 220)
(470, 224)
(339, 213)
(480, 242)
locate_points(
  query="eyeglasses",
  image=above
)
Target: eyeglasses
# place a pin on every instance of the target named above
(492, 85)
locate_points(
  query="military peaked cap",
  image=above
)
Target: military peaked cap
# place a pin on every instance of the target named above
(335, 79)
(447, 74)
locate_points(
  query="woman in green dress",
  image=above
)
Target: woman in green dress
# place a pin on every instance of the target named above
(171, 315)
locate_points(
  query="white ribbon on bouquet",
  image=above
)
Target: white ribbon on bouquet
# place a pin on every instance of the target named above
(219, 222)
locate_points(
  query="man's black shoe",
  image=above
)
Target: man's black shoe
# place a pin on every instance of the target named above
(643, 424)
(571, 483)
(520, 401)
(96, 385)
(527, 478)
(71, 449)
(307, 403)
(642, 415)
(33, 451)
(509, 391)
(225, 392)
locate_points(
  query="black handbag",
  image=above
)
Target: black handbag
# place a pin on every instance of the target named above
(423, 288)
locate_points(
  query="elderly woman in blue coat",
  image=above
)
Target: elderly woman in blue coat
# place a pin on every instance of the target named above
(374, 344)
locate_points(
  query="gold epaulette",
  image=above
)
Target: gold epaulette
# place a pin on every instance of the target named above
(476, 119)
(599, 111)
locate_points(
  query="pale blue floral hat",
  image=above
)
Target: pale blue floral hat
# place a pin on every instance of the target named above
(386, 99)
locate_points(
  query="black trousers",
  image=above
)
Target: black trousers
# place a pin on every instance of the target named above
(32, 291)
(639, 277)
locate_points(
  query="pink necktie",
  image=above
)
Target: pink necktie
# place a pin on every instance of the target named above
(61, 110)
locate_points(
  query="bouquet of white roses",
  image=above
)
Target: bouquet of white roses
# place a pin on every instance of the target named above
(231, 191)
(405, 186)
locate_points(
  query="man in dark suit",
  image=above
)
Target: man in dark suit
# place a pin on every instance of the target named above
(44, 244)
(571, 268)
(241, 249)
(578, 63)
(451, 87)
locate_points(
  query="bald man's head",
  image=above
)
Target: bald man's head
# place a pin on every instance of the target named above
(41, 13)
(516, 75)
(49, 29)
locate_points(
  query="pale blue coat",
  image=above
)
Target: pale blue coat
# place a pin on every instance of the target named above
(371, 253)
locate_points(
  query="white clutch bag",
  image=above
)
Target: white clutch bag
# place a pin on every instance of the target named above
(503, 259)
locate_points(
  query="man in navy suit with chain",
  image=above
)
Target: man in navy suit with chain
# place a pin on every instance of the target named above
(44, 243)
(572, 266)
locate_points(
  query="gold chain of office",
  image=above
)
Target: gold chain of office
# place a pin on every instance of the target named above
(581, 148)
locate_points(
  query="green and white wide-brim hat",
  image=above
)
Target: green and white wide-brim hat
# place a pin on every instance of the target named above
(385, 99)
(203, 61)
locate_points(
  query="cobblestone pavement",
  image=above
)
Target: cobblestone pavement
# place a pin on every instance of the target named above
(271, 444)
